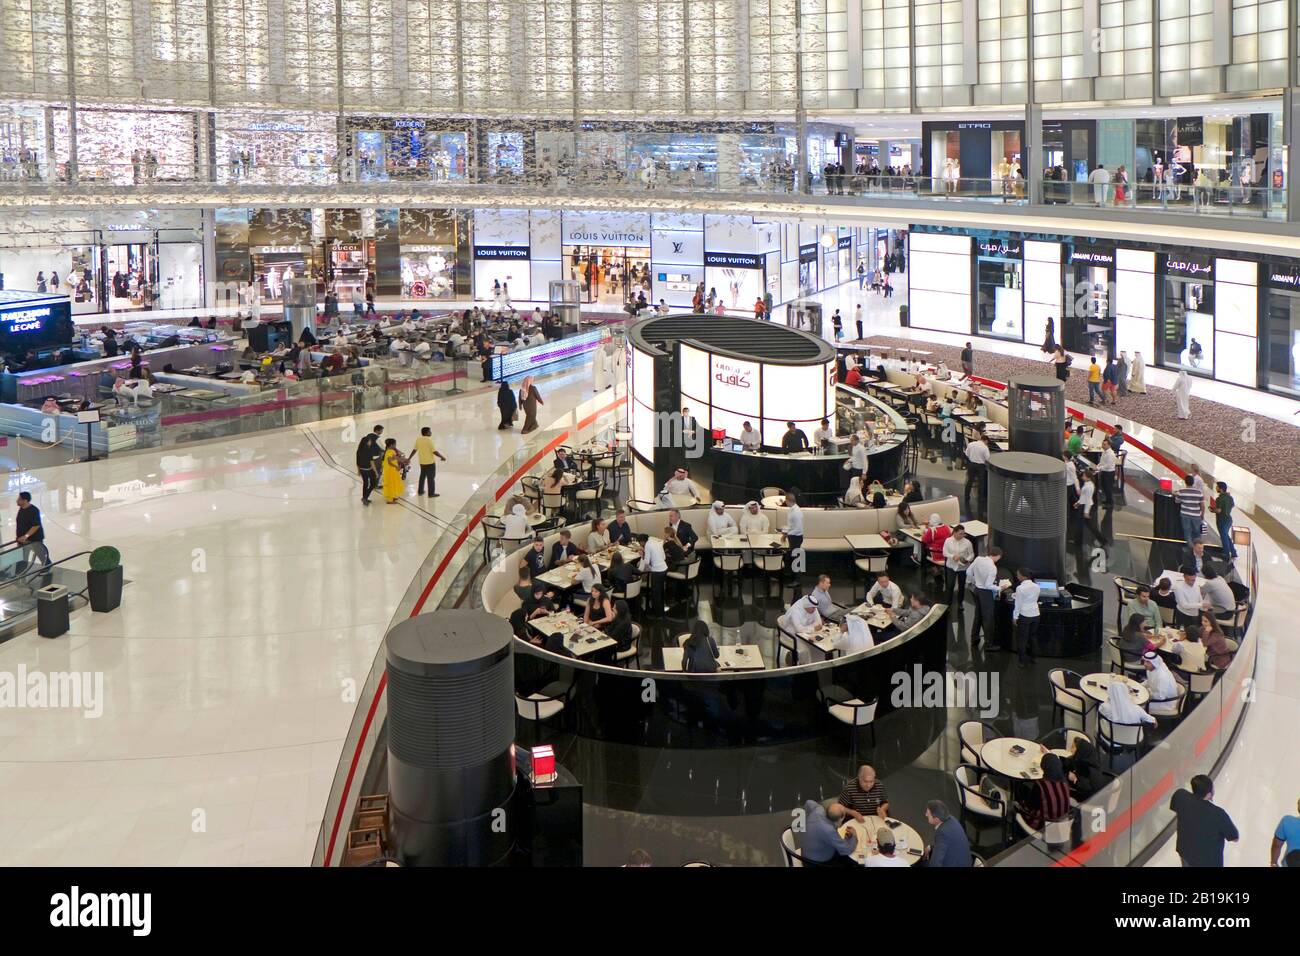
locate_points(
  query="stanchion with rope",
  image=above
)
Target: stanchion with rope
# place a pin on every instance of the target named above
(457, 368)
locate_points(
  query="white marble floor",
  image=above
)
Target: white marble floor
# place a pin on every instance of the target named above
(881, 317)
(259, 588)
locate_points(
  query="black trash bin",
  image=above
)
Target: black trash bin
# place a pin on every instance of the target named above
(52, 610)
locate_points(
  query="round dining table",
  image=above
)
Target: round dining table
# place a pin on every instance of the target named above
(906, 839)
(1015, 757)
(1097, 687)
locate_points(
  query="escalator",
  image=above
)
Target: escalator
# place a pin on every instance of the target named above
(19, 582)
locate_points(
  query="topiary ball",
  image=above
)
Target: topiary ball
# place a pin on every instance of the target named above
(105, 559)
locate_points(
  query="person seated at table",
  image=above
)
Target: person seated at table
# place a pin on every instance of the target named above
(916, 610)
(1190, 651)
(878, 501)
(951, 846)
(679, 484)
(864, 795)
(1136, 639)
(600, 609)
(1146, 608)
(515, 525)
(563, 462)
(682, 530)
(750, 439)
(564, 550)
(853, 497)
(911, 493)
(1163, 595)
(248, 355)
(598, 539)
(1217, 591)
(50, 406)
(588, 578)
(885, 592)
(334, 363)
(854, 636)
(674, 554)
(904, 515)
(620, 572)
(720, 523)
(753, 521)
(853, 378)
(875, 488)
(1160, 683)
(524, 584)
(820, 842)
(1049, 799)
(700, 650)
(794, 440)
(1120, 707)
(885, 856)
(540, 602)
(936, 535)
(620, 532)
(1217, 651)
(620, 628)
(821, 598)
(554, 482)
(1083, 769)
(1196, 557)
(555, 644)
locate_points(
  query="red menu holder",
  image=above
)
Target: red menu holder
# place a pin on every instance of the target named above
(543, 764)
(1166, 484)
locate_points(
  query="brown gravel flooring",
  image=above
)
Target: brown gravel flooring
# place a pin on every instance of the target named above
(1274, 455)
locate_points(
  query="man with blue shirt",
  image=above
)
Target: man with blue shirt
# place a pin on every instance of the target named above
(821, 841)
(1286, 839)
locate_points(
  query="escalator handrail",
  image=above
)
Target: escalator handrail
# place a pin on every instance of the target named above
(45, 568)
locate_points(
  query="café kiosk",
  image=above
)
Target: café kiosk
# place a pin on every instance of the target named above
(722, 371)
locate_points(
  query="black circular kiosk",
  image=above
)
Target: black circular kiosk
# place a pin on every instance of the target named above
(694, 380)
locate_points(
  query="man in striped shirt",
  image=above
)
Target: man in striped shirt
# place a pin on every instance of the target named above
(864, 795)
(1191, 509)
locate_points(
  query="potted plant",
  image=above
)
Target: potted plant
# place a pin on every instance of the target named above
(105, 579)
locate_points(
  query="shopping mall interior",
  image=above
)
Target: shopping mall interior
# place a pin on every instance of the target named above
(758, 433)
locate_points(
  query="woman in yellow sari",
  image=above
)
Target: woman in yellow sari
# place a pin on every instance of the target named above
(391, 485)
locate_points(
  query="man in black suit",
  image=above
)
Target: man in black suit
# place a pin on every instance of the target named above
(564, 549)
(1199, 557)
(685, 533)
(620, 532)
(369, 452)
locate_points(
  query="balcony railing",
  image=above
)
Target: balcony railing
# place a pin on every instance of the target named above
(259, 183)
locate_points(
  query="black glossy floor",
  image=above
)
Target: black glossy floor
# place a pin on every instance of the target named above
(729, 806)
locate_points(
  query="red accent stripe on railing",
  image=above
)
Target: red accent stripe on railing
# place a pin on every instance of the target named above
(1108, 429)
(424, 596)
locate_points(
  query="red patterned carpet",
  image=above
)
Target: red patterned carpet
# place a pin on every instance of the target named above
(1273, 454)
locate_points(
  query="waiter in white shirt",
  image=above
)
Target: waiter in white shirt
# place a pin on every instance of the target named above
(750, 439)
(823, 437)
(793, 529)
(720, 522)
(1086, 506)
(1024, 616)
(859, 458)
(977, 459)
(655, 564)
(982, 576)
(889, 593)
(958, 553)
(1071, 480)
(1106, 473)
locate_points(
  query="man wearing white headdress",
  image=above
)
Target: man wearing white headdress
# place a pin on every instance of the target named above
(516, 524)
(753, 521)
(1160, 683)
(855, 635)
(853, 496)
(1183, 395)
(720, 522)
(1137, 375)
(1120, 707)
(804, 615)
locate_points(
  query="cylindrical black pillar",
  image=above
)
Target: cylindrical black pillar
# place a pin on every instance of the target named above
(451, 724)
(1027, 512)
(1036, 416)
